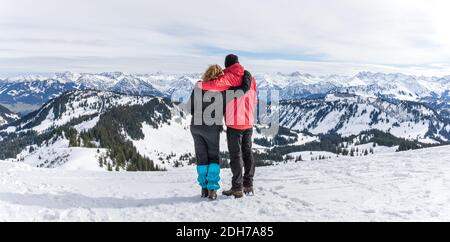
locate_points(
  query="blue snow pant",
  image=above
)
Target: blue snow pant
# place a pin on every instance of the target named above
(207, 152)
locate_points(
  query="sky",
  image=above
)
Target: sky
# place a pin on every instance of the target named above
(178, 36)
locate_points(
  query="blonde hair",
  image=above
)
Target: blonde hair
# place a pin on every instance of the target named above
(213, 72)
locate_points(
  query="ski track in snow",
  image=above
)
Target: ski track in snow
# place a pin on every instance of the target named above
(407, 186)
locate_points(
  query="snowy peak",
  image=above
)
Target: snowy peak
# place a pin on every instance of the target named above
(135, 86)
(67, 76)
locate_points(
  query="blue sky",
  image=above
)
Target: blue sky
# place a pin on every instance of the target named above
(319, 37)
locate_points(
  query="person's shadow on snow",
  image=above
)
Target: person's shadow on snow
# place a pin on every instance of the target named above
(67, 200)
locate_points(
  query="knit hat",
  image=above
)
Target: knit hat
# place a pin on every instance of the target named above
(231, 60)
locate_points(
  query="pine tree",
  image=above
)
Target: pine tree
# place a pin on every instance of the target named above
(345, 152)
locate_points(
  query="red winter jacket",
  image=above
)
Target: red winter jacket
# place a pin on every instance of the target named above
(240, 112)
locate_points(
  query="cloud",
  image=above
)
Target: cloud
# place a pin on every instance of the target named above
(176, 36)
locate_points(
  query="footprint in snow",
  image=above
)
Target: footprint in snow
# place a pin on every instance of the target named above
(369, 211)
(304, 203)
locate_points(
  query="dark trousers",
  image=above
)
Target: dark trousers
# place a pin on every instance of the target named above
(207, 151)
(207, 143)
(240, 149)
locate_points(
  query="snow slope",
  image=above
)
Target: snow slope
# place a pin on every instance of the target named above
(175, 139)
(408, 186)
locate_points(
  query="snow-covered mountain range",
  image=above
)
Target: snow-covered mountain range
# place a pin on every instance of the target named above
(27, 93)
(348, 114)
(21, 94)
(399, 86)
(133, 132)
(130, 122)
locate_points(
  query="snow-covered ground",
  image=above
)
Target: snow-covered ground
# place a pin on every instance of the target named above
(407, 186)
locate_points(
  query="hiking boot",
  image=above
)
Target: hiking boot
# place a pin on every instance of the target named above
(204, 192)
(212, 195)
(249, 190)
(235, 193)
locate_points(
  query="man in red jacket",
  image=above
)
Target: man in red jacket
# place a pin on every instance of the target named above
(239, 119)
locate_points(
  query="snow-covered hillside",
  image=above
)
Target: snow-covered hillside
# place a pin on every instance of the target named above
(405, 186)
(90, 121)
(350, 115)
(6, 116)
